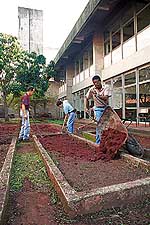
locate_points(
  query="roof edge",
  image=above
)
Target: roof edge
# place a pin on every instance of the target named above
(88, 10)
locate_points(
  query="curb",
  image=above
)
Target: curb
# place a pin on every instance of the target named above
(139, 132)
(5, 179)
(79, 203)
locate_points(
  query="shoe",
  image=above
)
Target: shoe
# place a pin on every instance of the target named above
(19, 140)
(26, 140)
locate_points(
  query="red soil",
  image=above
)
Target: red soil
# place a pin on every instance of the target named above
(33, 206)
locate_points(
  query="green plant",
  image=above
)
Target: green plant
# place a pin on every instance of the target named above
(89, 137)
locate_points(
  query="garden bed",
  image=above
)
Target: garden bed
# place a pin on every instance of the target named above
(7, 131)
(35, 201)
(73, 159)
(85, 186)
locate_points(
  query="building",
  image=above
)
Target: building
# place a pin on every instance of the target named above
(110, 38)
(30, 31)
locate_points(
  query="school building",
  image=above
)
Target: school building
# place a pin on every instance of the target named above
(111, 38)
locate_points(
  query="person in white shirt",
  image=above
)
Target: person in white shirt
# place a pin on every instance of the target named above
(100, 96)
(69, 118)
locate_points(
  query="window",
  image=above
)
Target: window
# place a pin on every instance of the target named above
(127, 15)
(91, 56)
(106, 42)
(143, 18)
(117, 82)
(81, 64)
(117, 93)
(107, 47)
(130, 78)
(128, 30)
(130, 96)
(77, 67)
(141, 4)
(86, 60)
(144, 97)
(116, 39)
(144, 74)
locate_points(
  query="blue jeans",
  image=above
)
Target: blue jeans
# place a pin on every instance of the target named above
(70, 122)
(98, 114)
(25, 126)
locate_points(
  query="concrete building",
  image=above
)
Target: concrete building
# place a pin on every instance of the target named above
(30, 31)
(111, 38)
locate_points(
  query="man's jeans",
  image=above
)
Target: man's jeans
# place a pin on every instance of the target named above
(25, 126)
(98, 114)
(70, 122)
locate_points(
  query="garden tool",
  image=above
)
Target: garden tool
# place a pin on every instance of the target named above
(92, 121)
(114, 133)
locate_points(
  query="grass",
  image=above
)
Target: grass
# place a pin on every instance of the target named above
(60, 122)
(89, 137)
(31, 166)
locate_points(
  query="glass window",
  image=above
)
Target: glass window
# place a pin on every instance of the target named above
(127, 15)
(117, 93)
(130, 113)
(107, 47)
(91, 56)
(130, 96)
(144, 74)
(106, 35)
(141, 4)
(128, 30)
(77, 67)
(144, 98)
(143, 19)
(117, 98)
(130, 78)
(117, 82)
(116, 39)
(81, 64)
(86, 60)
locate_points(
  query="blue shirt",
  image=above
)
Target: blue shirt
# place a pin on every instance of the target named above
(67, 107)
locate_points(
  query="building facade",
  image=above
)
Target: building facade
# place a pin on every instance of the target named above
(112, 39)
(30, 33)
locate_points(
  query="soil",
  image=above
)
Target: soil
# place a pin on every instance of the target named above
(74, 160)
(144, 141)
(7, 131)
(32, 205)
(3, 153)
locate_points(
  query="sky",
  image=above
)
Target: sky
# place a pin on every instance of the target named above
(59, 17)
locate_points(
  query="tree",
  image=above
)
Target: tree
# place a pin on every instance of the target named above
(20, 69)
(11, 55)
(33, 71)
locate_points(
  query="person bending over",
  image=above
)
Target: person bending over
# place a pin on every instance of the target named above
(69, 118)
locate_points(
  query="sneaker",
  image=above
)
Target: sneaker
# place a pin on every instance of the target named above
(20, 139)
(26, 140)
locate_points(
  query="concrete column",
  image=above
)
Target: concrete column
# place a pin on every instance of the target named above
(98, 59)
(70, 72)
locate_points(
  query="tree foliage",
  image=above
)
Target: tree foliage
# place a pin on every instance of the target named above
(10, 57)
(20, 69)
